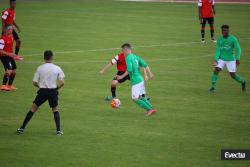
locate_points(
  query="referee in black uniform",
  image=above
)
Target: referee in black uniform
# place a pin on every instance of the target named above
(48, 78)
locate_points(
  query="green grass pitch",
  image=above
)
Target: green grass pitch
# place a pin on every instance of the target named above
(191, 126)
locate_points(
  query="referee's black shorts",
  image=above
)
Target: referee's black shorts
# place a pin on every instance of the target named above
(47, 94)
(8, 63)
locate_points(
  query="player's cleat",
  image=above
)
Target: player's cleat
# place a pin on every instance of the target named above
(20, 131)
(213, 40)
(211, 90)
(203, 41)
(243, 86)
(108, 98)
(151, 112)
(18, 58)
(59, 133)
(5, 88)
(12, 87)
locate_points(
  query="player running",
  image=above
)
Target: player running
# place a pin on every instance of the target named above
(8, 18)
(120, 62)
(206, 11)
(226, 46)
(134, 63)
(8, 59)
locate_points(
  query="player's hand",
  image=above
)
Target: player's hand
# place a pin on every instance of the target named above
(12, 55)
(118, 77)
(237, 62)
(18, 58)
(214, 63)
(101, 72)
(145, 78)
(151, 76)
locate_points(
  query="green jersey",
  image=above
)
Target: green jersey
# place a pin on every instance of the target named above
(133, 67)
(227, 49)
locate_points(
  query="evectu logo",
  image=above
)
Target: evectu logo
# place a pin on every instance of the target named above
(235, 154)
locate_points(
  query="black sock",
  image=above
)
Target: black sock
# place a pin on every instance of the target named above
(202, 34)
(113, 91)
(11, 79)
(6, 79)
(17, 50)
(27, 119)
(57, 120)
(212, 33)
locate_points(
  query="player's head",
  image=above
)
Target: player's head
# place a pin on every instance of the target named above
(8, 29)
(13, 4)
(126, 48)
(225, 30)
(48, 55)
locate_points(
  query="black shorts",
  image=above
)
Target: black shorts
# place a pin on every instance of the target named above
(15, 35)
(8, 63)
(210, 20)
(124, 79)
(47, 94)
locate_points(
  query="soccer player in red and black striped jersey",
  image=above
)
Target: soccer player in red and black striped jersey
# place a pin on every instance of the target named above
(8, 58)
(120, 62)
(8, 18)
(206, 14)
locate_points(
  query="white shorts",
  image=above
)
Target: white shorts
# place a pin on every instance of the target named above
(138, 90)
(231, 65)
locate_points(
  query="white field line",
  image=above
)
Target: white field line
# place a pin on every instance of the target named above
(103, 61)
(181, 1)
(110, 49)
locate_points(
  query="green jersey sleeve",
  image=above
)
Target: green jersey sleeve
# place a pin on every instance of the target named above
(238, 49)
(142, 63)
(217, 51)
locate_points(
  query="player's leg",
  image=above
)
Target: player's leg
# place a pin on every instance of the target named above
(113, 87)
(39, 100)
(53, 102)
(215, 74)
(137, 91)
(18, 42)
(231, 67)
(211, 24)
(203, 26)
(12, 75)
(27, 118)
(8, 70)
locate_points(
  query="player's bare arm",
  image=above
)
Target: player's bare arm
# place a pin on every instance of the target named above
(199, 14)
(213, 9)
(4, 53)
(151, 75)
(60, 84)
(108, 66)
(145, 74)
(119, 77)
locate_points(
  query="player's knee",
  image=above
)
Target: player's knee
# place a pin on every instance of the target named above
(232, 75)
(34, 108)
(134, 100)
(114, 83)
(8, 72)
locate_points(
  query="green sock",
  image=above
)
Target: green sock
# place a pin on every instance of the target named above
(239, 79)
(143, 104)
(214, 79)
(146, 101)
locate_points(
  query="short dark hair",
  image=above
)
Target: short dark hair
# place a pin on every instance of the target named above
(126, 45)
(48, 54)
(12, 0)
(225, 26)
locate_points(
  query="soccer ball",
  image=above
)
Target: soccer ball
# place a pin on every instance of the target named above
(115, 103)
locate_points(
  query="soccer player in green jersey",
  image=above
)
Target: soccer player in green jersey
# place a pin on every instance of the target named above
(227, 53)
(134, 63)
